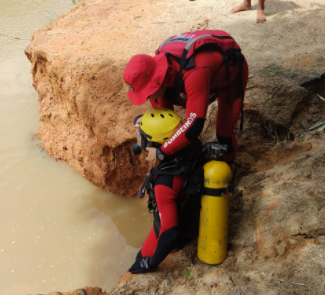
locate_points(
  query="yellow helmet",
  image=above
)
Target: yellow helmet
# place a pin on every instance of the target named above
(159, 125)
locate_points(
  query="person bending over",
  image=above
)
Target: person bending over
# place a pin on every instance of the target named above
(192, 70)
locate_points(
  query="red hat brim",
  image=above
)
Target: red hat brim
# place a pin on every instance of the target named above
(155, 82)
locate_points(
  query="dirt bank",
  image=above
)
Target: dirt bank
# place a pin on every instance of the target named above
(276, 237)
(78, 61)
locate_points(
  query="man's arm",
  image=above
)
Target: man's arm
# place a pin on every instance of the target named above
(197, 87)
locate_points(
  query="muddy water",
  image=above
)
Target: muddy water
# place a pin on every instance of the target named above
(57, 231)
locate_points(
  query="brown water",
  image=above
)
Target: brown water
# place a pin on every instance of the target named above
(58, 232)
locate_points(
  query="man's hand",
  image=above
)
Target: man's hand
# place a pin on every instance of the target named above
(136, 124)
(151, 154)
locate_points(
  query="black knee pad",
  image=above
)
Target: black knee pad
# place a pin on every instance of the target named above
(166, 180)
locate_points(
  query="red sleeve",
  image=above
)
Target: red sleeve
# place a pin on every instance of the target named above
(160, 103)
(197, 88)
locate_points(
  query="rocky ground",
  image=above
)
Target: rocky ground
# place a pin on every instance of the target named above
(277, 218)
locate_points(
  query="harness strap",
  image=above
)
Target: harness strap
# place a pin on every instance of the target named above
(183, 61)
(233, 57)
(180, 73)
(153, 172)
(161, 46)
(227, 79)
(240, 86)
(227, 63)
(215, 192)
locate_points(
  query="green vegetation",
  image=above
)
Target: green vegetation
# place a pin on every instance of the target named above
(48, 17)
(75, 1)
(188, 273)
(54, 13)
(51, 19)
(12, 37)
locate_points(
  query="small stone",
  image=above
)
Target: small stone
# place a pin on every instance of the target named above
(281, 248)
(304, 123)
(82, 292)
(92, 77)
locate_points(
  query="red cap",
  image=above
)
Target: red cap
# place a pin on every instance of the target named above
(144, 75)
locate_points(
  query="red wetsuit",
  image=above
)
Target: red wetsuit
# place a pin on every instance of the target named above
(167, 189)
(208, 73)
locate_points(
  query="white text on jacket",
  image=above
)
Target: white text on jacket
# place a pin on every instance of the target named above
(183, 128)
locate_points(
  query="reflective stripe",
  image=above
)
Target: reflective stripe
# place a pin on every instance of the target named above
(187, 47)
(186, 40)
(163, 44)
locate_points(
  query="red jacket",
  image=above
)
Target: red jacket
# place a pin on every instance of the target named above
(208, 73)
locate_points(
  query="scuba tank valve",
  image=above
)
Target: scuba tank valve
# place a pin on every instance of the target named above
(138, 147)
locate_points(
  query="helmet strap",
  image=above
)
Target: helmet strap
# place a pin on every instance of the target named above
(154, 144)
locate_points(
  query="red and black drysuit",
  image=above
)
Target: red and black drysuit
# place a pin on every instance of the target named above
(205, 75)
(167, 188)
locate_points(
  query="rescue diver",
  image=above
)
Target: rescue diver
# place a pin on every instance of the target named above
(192, 70)
(164, 183)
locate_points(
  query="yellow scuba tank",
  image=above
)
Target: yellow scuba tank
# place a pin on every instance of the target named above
(213, 228)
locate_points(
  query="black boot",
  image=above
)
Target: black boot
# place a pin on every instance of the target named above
(141, 265)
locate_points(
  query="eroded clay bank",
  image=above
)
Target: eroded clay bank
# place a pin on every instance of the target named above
(276, 235)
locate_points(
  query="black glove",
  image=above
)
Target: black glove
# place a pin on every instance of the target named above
(141, 265)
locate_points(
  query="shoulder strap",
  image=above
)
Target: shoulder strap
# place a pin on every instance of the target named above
(184, 60)
(153, 172)
(166, 41)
